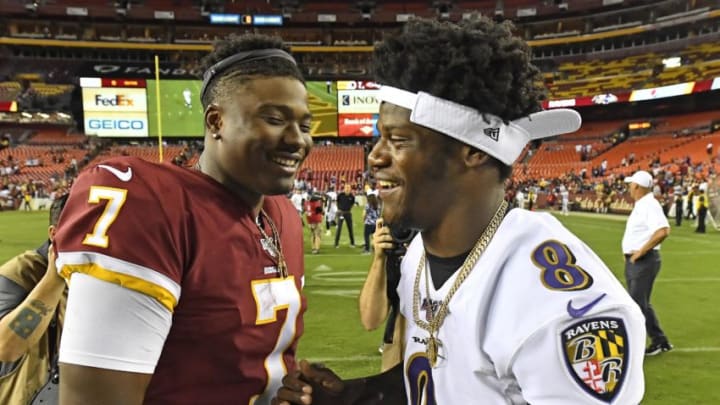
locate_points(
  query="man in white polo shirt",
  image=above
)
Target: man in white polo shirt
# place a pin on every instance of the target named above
(646, 228)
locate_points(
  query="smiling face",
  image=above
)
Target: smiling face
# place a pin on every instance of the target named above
(415, 170)
(264, 136)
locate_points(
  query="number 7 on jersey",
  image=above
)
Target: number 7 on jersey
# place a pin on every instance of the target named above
(116, 199)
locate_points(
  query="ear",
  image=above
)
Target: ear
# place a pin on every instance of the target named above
(51, 232)
(213, 118)
(474, 157)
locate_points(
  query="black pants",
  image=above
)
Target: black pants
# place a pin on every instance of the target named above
(702, 213)
(369, 230)
(347, 217)
(678, 211)
(640, 277)
(690, 213)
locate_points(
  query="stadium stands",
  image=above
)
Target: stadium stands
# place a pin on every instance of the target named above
(599, 76)
(338, 161)
(600, 49)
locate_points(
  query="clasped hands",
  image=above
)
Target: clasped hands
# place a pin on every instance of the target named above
(315, 384)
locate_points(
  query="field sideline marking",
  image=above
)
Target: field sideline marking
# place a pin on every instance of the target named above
(358, 358)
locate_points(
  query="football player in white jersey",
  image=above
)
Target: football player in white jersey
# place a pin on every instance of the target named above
(502, 306)
(187, 95)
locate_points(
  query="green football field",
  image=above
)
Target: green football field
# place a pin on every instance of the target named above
(177, 118)
(685, 297)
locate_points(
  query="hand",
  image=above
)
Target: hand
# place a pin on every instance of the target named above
(636, 255)
(311, 384)
(318, 385)
(51, 272)
(382, 240)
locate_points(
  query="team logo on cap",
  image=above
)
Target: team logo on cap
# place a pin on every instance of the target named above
(493, 133)
(595, 352)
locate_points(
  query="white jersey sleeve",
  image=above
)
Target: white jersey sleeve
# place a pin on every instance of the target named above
(562, 325)
(598, 358)
(111, 327)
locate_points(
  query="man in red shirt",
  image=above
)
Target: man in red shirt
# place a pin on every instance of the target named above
(185, 285)
(314, 212)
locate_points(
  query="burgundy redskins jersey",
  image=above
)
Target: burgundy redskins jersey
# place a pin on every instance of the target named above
(182, 238)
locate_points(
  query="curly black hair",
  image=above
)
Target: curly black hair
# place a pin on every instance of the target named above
(225, 81)
(476, 62)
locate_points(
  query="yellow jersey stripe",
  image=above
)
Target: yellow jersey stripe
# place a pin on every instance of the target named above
(121, 267)
(162, 295)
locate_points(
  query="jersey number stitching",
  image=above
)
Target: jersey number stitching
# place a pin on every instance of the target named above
(559, 270)
(116, 199)
(421, 388)
(272, 296)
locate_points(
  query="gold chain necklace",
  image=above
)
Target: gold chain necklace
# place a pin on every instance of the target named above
(274, 244)
(435, 321)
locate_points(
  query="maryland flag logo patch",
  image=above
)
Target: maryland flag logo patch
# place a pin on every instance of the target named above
(595, 352)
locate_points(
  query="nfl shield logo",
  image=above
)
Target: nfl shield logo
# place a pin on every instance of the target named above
(493, 133)
(595, 352)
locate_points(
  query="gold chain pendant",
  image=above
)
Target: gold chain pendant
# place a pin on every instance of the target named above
(436, 319)
(282, 267)
(431, 348)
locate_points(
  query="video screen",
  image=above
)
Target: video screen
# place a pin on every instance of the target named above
(182, 112)
(322, 97)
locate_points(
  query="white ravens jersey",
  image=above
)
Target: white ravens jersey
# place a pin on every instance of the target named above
(539, 320)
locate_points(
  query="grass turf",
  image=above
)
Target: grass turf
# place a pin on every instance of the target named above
(685, 298)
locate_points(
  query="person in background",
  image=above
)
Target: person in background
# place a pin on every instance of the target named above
(565, 198)
(702, 209)
(187, 96)
(298, 201)
(186, 283)
(646, 228)
(690, 202)
(378, 300)
(370, 217)
(345, 203)
(519, 199)
(330, 209)
(531, 197)
(314, 214)
(502, 306)
(678, 197)
(32, 309)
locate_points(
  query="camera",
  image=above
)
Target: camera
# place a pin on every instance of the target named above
(401, 238)
(315, 197)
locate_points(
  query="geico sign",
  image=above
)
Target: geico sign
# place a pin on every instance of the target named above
(116, 100)
(115, 124)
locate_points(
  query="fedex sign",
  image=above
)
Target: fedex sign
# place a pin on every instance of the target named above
(109, 99)
(116, 101)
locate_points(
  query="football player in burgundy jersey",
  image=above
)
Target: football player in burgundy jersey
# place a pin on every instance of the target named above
(500, 307)
(185, 284)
